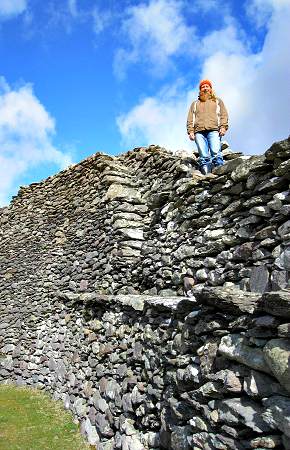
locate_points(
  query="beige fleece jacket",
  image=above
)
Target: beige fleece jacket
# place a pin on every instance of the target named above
(205, 117)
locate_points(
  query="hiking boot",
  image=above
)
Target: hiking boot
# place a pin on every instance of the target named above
(205, 169)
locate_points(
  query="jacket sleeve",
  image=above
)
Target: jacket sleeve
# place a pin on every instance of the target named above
(224, 118)
(189, 123)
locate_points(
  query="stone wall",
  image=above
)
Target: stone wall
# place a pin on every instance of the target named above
(92, 262)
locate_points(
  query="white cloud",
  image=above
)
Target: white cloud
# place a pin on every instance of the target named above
(226, 40)
(260, 11)
(203, 6)
(101, 19)
(155, 32)
(157, 120)
(10, 8)
(73, 8)
(254, 87)
(26, 130)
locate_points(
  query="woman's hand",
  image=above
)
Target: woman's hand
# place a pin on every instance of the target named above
(222, 131)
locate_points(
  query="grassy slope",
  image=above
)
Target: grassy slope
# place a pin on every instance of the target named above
(30, 420)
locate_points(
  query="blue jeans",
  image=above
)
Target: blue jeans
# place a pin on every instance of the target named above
(209, 148)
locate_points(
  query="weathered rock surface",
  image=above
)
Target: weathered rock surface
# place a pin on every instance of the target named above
(277, 303)
(237, 348)
(277, 355)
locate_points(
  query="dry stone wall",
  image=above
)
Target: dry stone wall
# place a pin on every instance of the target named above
(92, 262)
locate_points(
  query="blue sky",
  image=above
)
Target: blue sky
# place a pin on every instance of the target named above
(81, 76)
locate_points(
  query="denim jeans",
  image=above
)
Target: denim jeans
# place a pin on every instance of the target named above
(209, 148)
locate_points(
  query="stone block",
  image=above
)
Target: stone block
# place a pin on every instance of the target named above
(279, 279)
(277, 303)
(236, 347)
(259, 280)
(277, 356)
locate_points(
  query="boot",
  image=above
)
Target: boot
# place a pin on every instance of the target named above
(205, 169)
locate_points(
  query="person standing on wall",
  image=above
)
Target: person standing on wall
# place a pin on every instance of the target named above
(207, 122)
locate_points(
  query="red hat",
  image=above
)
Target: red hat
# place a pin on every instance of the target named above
(205, 82)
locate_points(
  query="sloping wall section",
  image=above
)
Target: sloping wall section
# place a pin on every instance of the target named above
(92, 309)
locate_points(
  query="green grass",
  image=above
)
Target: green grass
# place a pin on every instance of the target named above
(30, 420)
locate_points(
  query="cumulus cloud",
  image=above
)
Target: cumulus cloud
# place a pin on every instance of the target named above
(254, 87)
(10, 8)
(26, 131)
(157, 120)
(155, 32)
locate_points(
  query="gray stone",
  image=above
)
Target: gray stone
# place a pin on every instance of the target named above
(228, 299)
(277, 356)
(260, 385)
(103, 425)
(201, 275)
(7, 363)
(266, 233)
(280, 149)
(236, 347)
(231, 383)
(131, 443)
(285, 210)
(9, 348)
(184, 251)
(284, 231)
(127, 427)
(151, 439)
(283, 169)
(212, 441)
(284, 330)
(259, 280)
(277, 413)
(265, 442)
(107, 445)
(179, 437)
(119, 191)
(112, 389)
(277, 303)
(129, 252)
(229, 166)
(100, 403)
(279, 280)
(241, 410)
(283, 261)
(127, 403)
(271, 184)
(120, 224)
(244, 251)
(80, 407)
(132, 233)
(242, 171)
(263, 211)
(266, 321)
(216, 277)
(91, 433)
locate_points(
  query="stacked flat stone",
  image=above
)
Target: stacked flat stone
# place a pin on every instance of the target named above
(92, 307)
